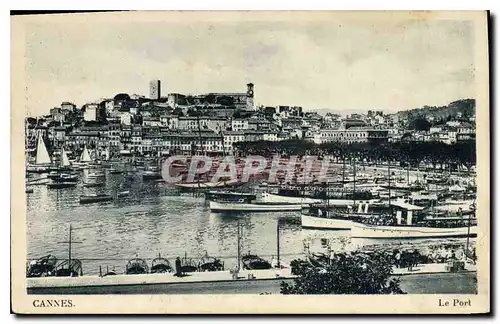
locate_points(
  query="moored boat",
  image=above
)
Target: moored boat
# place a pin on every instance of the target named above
(96, 174)
(195, 185)
(151, 175)
(136, 266)
(43, 267)
(89, 199)
(323, 216)
(123, 193)
(42, 161)
(254, 262)
(254, 207)
(420, 225)
(269, 198)
(208, 263)
(228, 196)
(375, 231)
(93, 184)
(115, 171)
(315, 222)
(161, 265)
(188, 265)
(61, 185)
(38, 181)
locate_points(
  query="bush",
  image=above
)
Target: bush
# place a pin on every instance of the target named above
(359, 273)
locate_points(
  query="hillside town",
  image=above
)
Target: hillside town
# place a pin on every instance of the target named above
(213, 123)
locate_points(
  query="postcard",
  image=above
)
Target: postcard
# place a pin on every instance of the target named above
(250, 162)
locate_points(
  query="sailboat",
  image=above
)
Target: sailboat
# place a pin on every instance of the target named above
(85, 159)
(63, 180)
(43, 161)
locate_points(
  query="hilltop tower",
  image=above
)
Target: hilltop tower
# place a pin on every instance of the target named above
(155, 89)
(250, 94)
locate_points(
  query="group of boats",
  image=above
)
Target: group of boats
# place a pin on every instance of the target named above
(62, 173)
(369, 209)
(50, 266)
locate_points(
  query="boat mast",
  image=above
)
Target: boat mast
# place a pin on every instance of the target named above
(223, 152)
(343, 175)
(239, 246)
(278, 241)
(354, 183)
(70, 241)
(408, 173)
(389, 170)
(468, 232)
(201, 144)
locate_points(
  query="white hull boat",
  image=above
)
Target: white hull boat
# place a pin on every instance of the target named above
(325, 223)
(257, 207)
(195, 185)
(375, 231)
(269, 198)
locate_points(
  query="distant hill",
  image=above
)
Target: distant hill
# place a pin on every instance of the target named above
(464, 106)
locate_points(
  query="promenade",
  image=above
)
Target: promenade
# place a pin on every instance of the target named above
(428, 278)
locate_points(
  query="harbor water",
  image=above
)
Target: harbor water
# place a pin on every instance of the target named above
(149, 222)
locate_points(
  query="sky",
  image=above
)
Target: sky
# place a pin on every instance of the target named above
(334, 63)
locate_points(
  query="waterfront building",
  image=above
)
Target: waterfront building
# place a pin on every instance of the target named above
(239, 124)
(351, 135)
(91, 112)
(68, 106)
(216, 124)
(174, 99)
(151, 121)
(254, 135)
(293, 122)
(232, 137)
(136, 138)
(353, 122)
(59, 136)
(169, 121)
(261, 124)
(125, 118)
(58, 114)
(114, 137)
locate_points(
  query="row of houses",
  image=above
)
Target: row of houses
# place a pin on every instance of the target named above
(152, 139)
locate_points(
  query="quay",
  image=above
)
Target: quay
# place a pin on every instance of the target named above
(426, 278)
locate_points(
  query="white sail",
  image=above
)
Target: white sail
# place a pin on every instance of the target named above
(42, 155)
(107, 154)
(64, 161)
(85, 157)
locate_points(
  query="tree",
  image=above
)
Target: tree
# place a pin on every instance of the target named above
(178, 112)
(359, 273)
(420, 124)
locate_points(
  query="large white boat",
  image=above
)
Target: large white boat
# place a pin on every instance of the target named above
(418, 225)
(342, 217)
(375, 231)
(253, 207)
(314, 222)
(269, 198)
